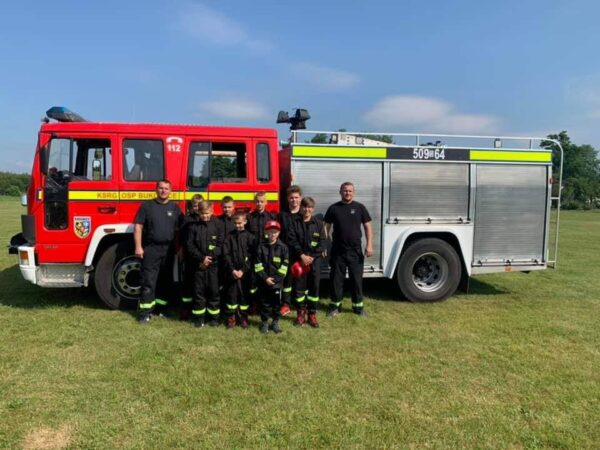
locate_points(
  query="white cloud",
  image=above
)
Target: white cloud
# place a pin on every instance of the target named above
(427, 114)
(234, 108)
(325, 78)
(209, 25)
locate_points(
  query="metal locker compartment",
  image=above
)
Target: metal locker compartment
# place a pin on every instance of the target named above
(322, 179)
(510, 213)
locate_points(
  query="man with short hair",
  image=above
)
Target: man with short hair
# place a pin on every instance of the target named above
(347, 216)
(156, 224)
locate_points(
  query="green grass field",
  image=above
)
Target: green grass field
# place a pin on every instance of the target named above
(515, 363)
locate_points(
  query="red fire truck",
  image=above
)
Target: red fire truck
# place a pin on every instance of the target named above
(440, 211)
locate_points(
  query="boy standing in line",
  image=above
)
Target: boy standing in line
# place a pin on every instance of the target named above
(307, 243)
(270, 268)
(287, 219)
(204, 247)
(237, 270)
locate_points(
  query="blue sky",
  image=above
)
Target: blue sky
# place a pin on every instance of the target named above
(510, 67)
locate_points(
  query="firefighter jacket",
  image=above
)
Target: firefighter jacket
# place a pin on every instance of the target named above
(287, 219)
(204, 240)
(237, 251)
(272, 261)
(306, 238)
(226, 224)
(256, 223)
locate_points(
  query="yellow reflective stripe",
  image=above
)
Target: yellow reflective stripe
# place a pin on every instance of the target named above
(338, 304)
(186, 299)
(276, 259)
(150, 194)
(502, 155)
(314, 244)
(312, 299)
(237, 196)
(211, 247)
(340, 152)
(232, 306)
(300, 299)
(283, 270)
(147, 305)
(287, 289)
(357, 305)
(162, 302)
(244, 307)
(198, 312)
(213, 312)
(258, 267)
(253, 290)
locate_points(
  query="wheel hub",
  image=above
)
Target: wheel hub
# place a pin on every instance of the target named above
(430, 271)
(127, 277)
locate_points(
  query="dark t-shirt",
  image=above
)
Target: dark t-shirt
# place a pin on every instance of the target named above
(160, 221)
(347, 219)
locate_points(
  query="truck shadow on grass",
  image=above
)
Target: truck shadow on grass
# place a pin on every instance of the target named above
(18, 293)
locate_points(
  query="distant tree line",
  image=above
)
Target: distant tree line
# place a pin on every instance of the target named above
(13, 184)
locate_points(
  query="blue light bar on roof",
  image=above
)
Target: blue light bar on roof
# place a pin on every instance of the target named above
(62, 114)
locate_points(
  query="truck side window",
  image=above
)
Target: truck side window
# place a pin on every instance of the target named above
(263, 163)
(143, 160)
(217, 162)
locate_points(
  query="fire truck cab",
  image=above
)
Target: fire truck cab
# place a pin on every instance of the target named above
(88, 181)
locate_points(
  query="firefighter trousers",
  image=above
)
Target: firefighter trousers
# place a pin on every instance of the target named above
(270, 302)
(205, 299)
(237, 295)
(157, 278)
(306, 288)
(351, 260)
(286, 292)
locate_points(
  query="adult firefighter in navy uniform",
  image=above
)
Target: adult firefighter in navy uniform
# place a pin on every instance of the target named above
(156, 225)
(347, 216)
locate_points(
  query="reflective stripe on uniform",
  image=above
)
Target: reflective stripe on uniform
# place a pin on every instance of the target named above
(244, 307)
(253, 290)
(147, 305)
(198, 312)
(186, 299)
(300, 299)
(162, 302)
(276, 259)
(213, 312)
(338, 304)
(211, 247)
(357, 305)
(312, 299)
(258, 267)
(287, 289)
(232, 307)
(283, 270)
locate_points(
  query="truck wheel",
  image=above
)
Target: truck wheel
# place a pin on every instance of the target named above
(118, 276)
(429, 271)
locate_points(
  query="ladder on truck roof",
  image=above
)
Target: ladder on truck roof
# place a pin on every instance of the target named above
(450, 141)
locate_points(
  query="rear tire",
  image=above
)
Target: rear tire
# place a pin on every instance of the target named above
(429, 270)
(117, 276)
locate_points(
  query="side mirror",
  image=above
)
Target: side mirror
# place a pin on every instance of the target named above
(44, 159)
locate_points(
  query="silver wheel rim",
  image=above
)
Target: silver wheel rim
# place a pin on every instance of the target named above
(429, 272)
(127, 277)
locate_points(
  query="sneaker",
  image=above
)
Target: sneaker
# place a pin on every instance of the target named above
(199, 323)
(333, 311)
(360, 312)
(264, 327)
(312, 320)
(285, 309)
(244, 322)
(213, 322)
(275, 326)
(143, 319)
(231, 322)
(300, 320)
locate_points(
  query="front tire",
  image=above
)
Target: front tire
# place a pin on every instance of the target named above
(429, 270)
(118, 276)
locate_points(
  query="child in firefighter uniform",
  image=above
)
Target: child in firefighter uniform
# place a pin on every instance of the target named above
(203, 246)
(270, 268)
(307, 243)
(237, 262)
(192, 216)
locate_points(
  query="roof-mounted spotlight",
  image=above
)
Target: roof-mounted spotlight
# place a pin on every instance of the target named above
(297, 122)
(62, 114)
